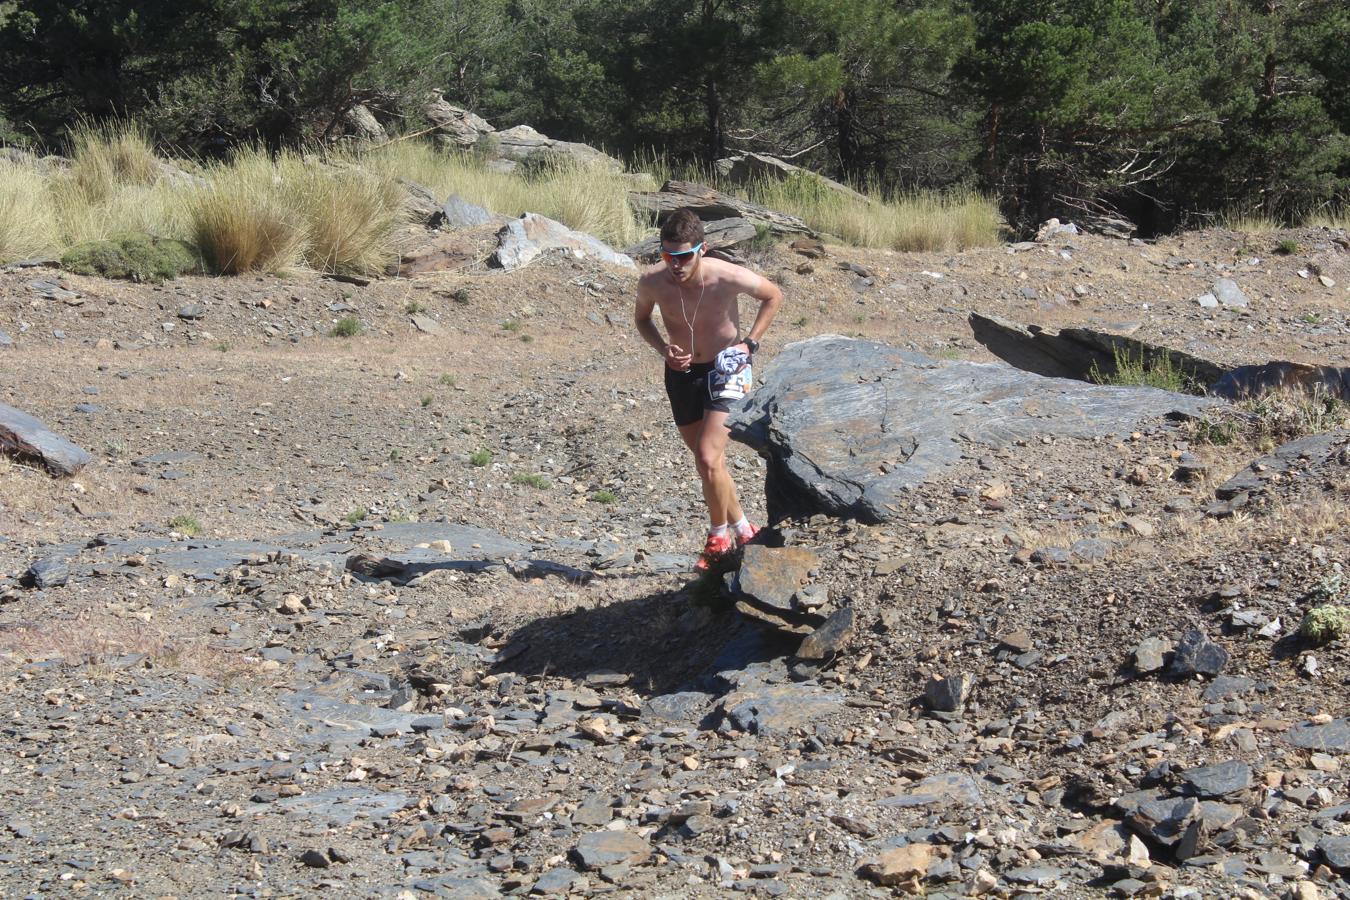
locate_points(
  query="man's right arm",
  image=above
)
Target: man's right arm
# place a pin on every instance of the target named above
(642, 318)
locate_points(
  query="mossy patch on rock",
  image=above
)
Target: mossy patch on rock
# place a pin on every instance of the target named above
(135, 257)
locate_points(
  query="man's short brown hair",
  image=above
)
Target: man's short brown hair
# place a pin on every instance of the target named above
(683, 227)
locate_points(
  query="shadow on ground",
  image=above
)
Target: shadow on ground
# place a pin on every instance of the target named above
(671, 641)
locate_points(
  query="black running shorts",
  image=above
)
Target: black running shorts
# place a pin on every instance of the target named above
(690, 395)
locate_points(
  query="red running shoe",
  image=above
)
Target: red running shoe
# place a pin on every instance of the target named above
(749, 537)
(717, 548)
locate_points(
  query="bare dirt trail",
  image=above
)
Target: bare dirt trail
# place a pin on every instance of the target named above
(546, 714)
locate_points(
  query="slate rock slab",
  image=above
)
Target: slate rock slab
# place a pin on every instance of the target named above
(524, 240)
(831, 637)
(48, 573)
(457, 212)
(849, 426)
(1227, 292)
(777, 708)
(23, 435)
(1333, 737)
(951, 789)
(1336, 851)
(771, 576)
(602, 849)
(1311, 455)
(1217, 780)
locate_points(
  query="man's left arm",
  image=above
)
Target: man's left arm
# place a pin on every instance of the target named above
(770, 298)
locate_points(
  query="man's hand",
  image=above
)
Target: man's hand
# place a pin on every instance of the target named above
(677, 358)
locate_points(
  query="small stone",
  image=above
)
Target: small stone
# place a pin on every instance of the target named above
(315, 859)
(1326, 281)
(1196, 654)
(948, 694)
(191, 312)
(901, 866)
(1229, 294)
(48, 573)
(1207, 301)
(1336, 851)
(1149, 655)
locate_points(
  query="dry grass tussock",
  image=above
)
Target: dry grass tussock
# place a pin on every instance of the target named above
(96, 639)
(27, 220)
(1273, 418)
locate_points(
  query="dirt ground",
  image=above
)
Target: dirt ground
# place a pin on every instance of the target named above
(167, 735)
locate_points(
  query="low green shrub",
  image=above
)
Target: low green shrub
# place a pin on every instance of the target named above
(134, 257)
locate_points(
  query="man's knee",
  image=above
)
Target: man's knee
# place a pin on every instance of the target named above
(710, 460)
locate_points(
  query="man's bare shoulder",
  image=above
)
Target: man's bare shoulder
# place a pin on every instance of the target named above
(731, 273)
(653, 278)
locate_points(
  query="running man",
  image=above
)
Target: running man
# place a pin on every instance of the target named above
(697, 297)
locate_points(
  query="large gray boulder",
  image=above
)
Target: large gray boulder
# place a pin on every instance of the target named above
(454, 127)
(724, 234)
(523, 240)
(849, 426)
(747, 168)
(523, 145)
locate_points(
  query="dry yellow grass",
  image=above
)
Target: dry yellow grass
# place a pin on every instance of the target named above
(27, 219)
(349, 215)
(240, 222)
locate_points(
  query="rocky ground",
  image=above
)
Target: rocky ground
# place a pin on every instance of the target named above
(410, 613)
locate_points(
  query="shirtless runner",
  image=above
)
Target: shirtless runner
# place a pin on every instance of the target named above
(697, 298)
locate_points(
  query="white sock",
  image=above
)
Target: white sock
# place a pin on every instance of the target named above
(718, 530)
(742, 527)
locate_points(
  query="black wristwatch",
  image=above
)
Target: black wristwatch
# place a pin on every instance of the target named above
(751, 344)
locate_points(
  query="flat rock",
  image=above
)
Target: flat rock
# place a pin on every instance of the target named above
(602, 849)
(771, 576)
(23, 435)
(1217, 780)
(1333, 737)
(1311, 455)
(900, 866)
(524, 240)
(51, 572)
(777, 708)
(951, 789)
(442, 252)
(554, 881)
(848, 426)
(426, 324)
(457, 212)
(1335, 849)
(1227, 292)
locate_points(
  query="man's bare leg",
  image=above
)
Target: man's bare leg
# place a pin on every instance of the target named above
(708, 440)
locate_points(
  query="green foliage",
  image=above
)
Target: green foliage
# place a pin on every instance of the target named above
(185, 525)
(446, 380)
(1141, 370)
(1287, 247)
(413, 307)
(427, 400)
(135, 257)
(1168, 112)
(347, 326)
(534, 480)
(1324, 624)
(480, 458)
(357, 515)
(605, 497)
